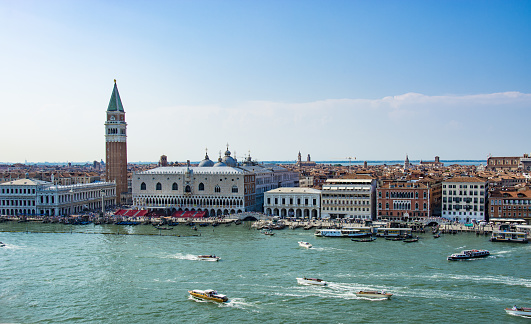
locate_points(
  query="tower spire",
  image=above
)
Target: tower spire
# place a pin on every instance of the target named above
(115, 104)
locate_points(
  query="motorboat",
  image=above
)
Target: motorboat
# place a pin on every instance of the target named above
(411, 240)
(208, 258)
(519, 311)
(469, 254)
(311, 281)
(374, 294)
(268, 232)
(208, 295)
(2, 244)
(305, 244)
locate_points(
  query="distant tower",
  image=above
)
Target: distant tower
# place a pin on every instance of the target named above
(406, 163)
(299, 157)
(116, 144)
(163, 161)
(308, 159)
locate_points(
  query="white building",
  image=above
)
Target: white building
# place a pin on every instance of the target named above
(464, 199)
(293, 202)
(35, 197)
(349, 198)
(221, 188)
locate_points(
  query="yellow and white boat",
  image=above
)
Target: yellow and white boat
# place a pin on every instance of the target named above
(208, 295)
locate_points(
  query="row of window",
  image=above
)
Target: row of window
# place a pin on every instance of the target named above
(464, 186)
(346, 202)
(18, 191)
(402, 194)
(402, 206)
(346, 209)
(187, 188)
(510, 202)
(18, 202)
(466, 207)
(461, 193)
(291, 200)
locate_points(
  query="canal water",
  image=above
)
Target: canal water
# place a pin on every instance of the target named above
(75, 274)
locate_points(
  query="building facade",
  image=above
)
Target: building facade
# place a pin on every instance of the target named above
(349, 198)
(116, 145)
(403, 200)
(303, 203)
(510, 205)
(464, 199)
(221, 188)
(31, 197)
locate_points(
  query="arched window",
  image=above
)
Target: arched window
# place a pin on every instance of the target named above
(217, 189)
(174, 186)
(187, 189)
(201, 187)
(159, 186)
(234, 189)
(143, 186)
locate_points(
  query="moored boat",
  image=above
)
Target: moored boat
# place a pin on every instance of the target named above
(208, 258)
(305, 244)
(468, 254)
(370, 239)
(208, 295)
(311, 281)
(510, 237)
(374, 294)
(519, 311)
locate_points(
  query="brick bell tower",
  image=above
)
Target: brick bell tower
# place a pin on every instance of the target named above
(116, 144)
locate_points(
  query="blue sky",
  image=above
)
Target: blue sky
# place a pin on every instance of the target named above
(367, 79)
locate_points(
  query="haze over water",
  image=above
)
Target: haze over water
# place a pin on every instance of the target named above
(108, 278)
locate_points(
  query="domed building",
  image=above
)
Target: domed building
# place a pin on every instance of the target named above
(206, 162)
(209, 189)
(228, 160)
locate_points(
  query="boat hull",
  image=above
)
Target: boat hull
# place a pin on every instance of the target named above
(206, 297)
(316, 282)
(374, 294)
(519, 312)
(205, 258)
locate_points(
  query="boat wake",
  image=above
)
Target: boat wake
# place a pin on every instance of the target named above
(239, 303)
(181, 256)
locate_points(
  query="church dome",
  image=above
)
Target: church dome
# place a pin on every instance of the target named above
(220, 164)
(206, 162)
(228, 160)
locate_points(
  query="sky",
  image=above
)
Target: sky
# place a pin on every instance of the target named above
(370, 80)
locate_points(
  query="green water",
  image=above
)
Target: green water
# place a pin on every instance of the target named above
(86, 277)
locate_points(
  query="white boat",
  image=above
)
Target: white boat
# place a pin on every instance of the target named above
(208, 295)
(345, 232)
(208, 258)
(305, 244)
(510, 237)
(469, 254)
(311, 281)
(374, 294)
(519, 311)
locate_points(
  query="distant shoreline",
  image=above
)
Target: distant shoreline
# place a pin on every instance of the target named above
(345, 163)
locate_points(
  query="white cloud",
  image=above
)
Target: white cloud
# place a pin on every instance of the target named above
(385, 128)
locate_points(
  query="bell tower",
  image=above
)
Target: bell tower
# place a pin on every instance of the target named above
(116, 144)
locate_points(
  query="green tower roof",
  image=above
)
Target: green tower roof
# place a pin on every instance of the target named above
(116, 103)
